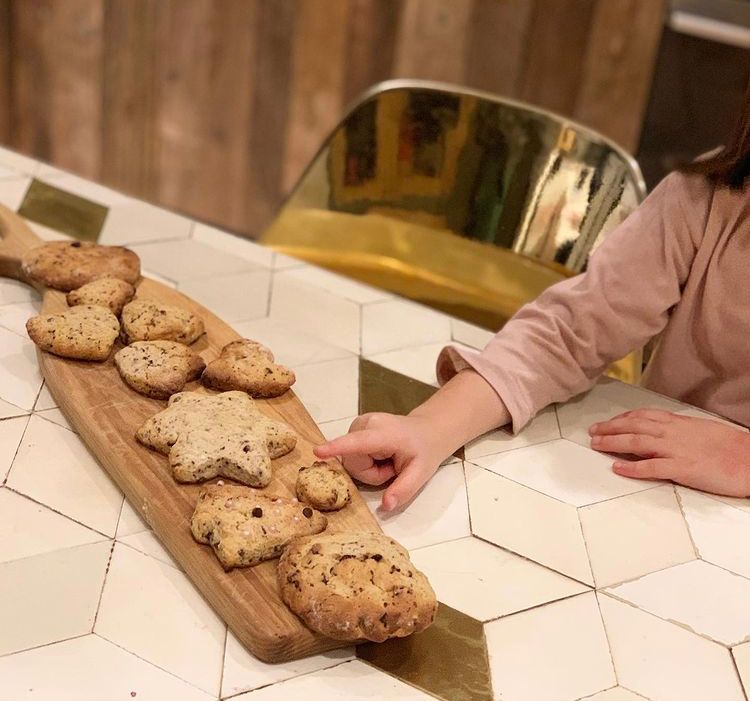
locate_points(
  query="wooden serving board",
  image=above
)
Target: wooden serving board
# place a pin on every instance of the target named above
(106, 413)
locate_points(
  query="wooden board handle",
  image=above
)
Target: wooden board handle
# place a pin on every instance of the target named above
(16, 237)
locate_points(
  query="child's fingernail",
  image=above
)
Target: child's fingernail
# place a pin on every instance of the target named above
(593, 429)
(389, 502)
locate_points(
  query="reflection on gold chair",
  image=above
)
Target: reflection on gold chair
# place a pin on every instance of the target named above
(457, 199)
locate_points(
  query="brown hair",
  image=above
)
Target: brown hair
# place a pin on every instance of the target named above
(731, 165)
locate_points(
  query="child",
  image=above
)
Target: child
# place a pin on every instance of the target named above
(679, 266)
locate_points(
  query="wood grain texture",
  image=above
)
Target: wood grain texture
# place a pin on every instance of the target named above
(214, 107)
(614, 89)
(106, 413)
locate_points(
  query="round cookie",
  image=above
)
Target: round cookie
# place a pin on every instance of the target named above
(323, 487)
(68, 265)
(355, 587)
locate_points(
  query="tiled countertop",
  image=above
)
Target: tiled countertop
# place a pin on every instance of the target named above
(558, 580)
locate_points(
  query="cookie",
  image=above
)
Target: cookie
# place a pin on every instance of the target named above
(158, 369)
(85, 332)
(144, 320)
(207, 436)
(244, 527)
(109, 292)
(323, 487)
(357, 586)
(68, 265)
(248, 366)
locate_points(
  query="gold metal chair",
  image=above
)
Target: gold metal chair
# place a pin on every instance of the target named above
(461, 200)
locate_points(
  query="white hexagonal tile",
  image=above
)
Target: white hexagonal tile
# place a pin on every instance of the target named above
(665, 662)
(607, 399)
(8, 410)
(28, 528)
(329, 390)
(147, 543)
(17, 162)
(702, 597)
(152, 610)
(437, 514)
(45, 400)
(564, 471)
(470, 335)
(235, 245)
(243, 672)
(185, 260)
(541, 429)
(88, 669)
(716, 529)
(315, 311)
(54, 467)
(12, 191)
(556, 652)
(635, 534)
(132, 222)
(55, 416)
(531, 524)
(232, 297)
(741, 655)
(486, 582)
(130, 521)
(290, 346)
(20, 378)
(11, 432)
(14, 316)
(13, 292)
(351, 681)
(398, 323)
(52, 596)
(417, 362)
(617, 693)
(340, 285)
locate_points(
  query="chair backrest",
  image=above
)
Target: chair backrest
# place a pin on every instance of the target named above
(462, 200)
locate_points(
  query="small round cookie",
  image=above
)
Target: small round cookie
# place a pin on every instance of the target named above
(355, 586)
(146, 320)
(109, 292)
(323, 487)
(158, 369)
(67, 265)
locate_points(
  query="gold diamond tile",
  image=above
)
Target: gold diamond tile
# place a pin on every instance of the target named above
(63, 211)
(448, 660)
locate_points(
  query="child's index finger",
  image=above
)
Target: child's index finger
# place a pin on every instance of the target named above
(356, 443)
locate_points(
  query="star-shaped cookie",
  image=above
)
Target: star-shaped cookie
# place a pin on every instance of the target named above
(208, 436)
(248, 366)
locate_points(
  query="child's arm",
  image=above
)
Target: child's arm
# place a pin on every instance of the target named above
(553, 349)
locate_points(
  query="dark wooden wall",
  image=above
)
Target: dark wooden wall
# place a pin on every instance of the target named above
(213, 107)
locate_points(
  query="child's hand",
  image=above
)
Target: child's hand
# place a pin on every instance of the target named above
(699, 453)
(379, 447)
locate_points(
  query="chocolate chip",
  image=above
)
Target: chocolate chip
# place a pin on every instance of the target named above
(315, 549)
(76, 244)
(377, 557)
(307, 512)
(257, 512)
(246, 449)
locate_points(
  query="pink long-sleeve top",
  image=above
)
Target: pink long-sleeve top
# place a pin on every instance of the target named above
(679, 266)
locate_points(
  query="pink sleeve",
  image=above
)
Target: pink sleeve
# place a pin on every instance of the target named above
(556, 346)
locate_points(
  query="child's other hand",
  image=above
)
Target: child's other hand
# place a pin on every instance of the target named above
(700, 453)
(379, 447)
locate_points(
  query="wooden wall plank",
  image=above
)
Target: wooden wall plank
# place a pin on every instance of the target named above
(57, 81)
(317, 81)
(272, 65)
(497, 45)
(5, 71)
(370, 45)
(130, 90)
(619, 63)
(554, 53)
(203, 112)
(431, 40)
